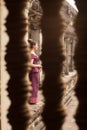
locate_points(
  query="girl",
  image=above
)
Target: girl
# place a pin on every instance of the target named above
(34, 73)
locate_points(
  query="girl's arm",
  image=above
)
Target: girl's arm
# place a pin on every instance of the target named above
(34, 65)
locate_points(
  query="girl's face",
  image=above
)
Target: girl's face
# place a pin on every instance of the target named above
(35, 47)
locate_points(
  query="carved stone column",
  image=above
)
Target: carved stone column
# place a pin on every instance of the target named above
(81, 64)
(71, 55)
(52, 60)
(17, 57)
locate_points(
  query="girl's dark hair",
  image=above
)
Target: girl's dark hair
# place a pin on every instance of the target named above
(31, 43)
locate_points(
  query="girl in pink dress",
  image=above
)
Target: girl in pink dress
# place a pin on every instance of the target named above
(34, 73)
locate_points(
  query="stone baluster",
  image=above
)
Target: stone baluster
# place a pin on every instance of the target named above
(17, 57)
(52, 60)
(81, 64)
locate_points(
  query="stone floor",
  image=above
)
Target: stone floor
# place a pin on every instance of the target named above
(70, 110)
(70, 123)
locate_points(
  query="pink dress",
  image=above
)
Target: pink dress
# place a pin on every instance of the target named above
(34, 78)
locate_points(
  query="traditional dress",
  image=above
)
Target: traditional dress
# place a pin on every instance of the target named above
(34, 78)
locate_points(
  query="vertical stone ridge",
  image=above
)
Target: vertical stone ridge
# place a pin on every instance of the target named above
(81, 64)
(17, 57)
(52, 60)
